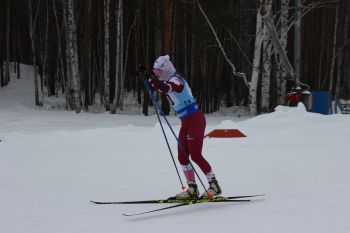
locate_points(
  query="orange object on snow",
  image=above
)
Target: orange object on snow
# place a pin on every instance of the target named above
(225, 133)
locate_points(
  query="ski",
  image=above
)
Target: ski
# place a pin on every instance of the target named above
(192, 202)
(173, 200)
(151, 211)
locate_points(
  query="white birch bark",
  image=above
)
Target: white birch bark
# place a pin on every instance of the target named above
(68, 86)
(73, 52)
(119, 82)
(266, 75)
(256, 65)
(297, 39)
(106, 55)
(282, 72)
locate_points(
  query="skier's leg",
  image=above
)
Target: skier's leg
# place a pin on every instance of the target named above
(192, 191)
(195, 141)
(195, 145)
(183, 156)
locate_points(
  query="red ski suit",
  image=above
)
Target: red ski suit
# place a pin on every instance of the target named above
(191, 139)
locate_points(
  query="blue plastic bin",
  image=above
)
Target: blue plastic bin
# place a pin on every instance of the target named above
(321, 102)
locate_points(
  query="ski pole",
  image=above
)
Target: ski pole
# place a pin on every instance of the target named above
(161, 125)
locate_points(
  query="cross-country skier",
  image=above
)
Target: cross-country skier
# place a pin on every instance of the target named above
(192, 126)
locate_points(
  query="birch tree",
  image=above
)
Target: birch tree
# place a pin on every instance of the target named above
(256, 65)
(282, 73)
(69, 95)
(297, 33)
(73, 54)
(266, 75)
(119, 82)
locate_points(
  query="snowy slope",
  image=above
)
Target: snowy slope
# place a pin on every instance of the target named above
(53, 162)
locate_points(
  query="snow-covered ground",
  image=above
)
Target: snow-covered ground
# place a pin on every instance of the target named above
(52, 163)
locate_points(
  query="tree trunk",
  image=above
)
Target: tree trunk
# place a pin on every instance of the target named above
(321, 57)
(119, 60)
(341, 74)
(218, 79)
(73, 52)
(166, 44)
(32, 37)
(297, 38)
(18, 70)
(88, 65)
(173, 30)
(7, 64)
(106, 55)
(166, 27)
(193, 57)
(331, 75)
(282, 73)
(2, 78)
(122, 51)
(186, 47)
(266, 75)
(157, 29)
(45, 83)
(59, 50)
(69, 90)
(256, 65)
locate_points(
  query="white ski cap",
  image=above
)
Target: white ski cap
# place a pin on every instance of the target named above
(164, 63)
(161, 62)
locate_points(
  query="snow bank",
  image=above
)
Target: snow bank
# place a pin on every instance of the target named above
(53, 162)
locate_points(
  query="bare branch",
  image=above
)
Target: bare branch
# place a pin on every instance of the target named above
(242, 75)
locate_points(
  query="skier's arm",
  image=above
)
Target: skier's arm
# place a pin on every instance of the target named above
(174, 84)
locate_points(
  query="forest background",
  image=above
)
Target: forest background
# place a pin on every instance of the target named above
(86, 52)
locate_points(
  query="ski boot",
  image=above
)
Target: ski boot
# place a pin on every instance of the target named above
(191, 193)
(213, 190)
